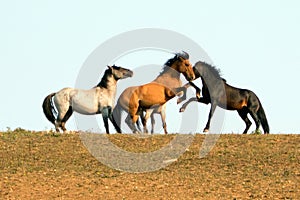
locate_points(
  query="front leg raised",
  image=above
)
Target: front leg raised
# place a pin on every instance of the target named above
(184, 89)
(198, 90)
(183, 107)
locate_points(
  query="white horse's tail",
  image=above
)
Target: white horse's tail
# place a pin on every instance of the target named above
(48, 108)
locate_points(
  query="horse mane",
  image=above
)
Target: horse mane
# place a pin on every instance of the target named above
(171, 61)
(103, 82)
(212, 69)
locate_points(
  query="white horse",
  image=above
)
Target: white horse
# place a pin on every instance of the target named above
(99, 99)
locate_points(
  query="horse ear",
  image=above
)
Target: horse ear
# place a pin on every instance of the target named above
(185, 54)
(109, 67)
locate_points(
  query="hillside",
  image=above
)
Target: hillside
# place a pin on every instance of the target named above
(40, 165)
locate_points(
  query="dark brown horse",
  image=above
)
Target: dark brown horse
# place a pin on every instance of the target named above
(133, 99)
(216, 91)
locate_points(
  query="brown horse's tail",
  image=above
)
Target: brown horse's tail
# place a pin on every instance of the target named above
(117, 112)
(48, 108)
(263, 119)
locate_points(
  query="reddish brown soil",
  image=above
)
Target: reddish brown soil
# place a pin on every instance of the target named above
(39, 165)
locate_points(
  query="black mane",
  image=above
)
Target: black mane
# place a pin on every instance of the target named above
(171, 61)
(212, 69)
(103, 82)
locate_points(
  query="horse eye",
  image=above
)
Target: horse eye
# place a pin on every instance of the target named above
(186, 64)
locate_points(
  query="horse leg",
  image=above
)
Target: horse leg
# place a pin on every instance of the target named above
(184, 89)
(163, 119)
(211, 112)
(138, 125)
(130, 124)
(144, 122)
(198, 90)
(243, 114)
(133, 111)
(183, 107)
(116, 117)
(252, 111)
(105, 116)
(58, 122)
(57, 126)
(64, 113)
(152, 123)
(112, 120)
(134, 119)
(145, 119)
(183, 97)
(65, 119)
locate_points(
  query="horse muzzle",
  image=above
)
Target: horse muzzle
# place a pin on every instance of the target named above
(129, 74)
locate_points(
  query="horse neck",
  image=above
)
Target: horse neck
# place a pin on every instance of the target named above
(210, 80)
(170, 78)
(109, 83)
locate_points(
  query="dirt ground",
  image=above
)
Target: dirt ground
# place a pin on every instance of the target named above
(40, 165)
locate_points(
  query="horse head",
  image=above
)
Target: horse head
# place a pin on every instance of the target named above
(120, 72)
(183, 65)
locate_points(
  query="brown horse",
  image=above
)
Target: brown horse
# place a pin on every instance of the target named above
(166, 84)
(149, 96)
(216, 91)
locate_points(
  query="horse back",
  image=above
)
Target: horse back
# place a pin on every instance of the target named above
(237, 98)
(151, 94)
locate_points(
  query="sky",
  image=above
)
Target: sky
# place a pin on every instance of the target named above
(44, 45)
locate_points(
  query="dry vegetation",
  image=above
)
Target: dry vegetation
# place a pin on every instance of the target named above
(40, 165)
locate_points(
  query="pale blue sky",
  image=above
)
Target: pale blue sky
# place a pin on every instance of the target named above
(44, 44)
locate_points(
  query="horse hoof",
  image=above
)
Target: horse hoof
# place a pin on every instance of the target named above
(257, 132)
(181, 110)
(205, 130)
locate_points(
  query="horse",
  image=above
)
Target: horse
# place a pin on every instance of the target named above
(167, 81)
(149, 96)
(217, 92)
(99, 99)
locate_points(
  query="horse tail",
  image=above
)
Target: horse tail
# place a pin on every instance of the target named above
(263, 119)
(48, 108)
(117, 117)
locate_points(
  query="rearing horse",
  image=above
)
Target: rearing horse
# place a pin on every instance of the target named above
(165, 84)
(99, 99)
(216, 91)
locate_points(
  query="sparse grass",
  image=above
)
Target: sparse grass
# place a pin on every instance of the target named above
(41, 165)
